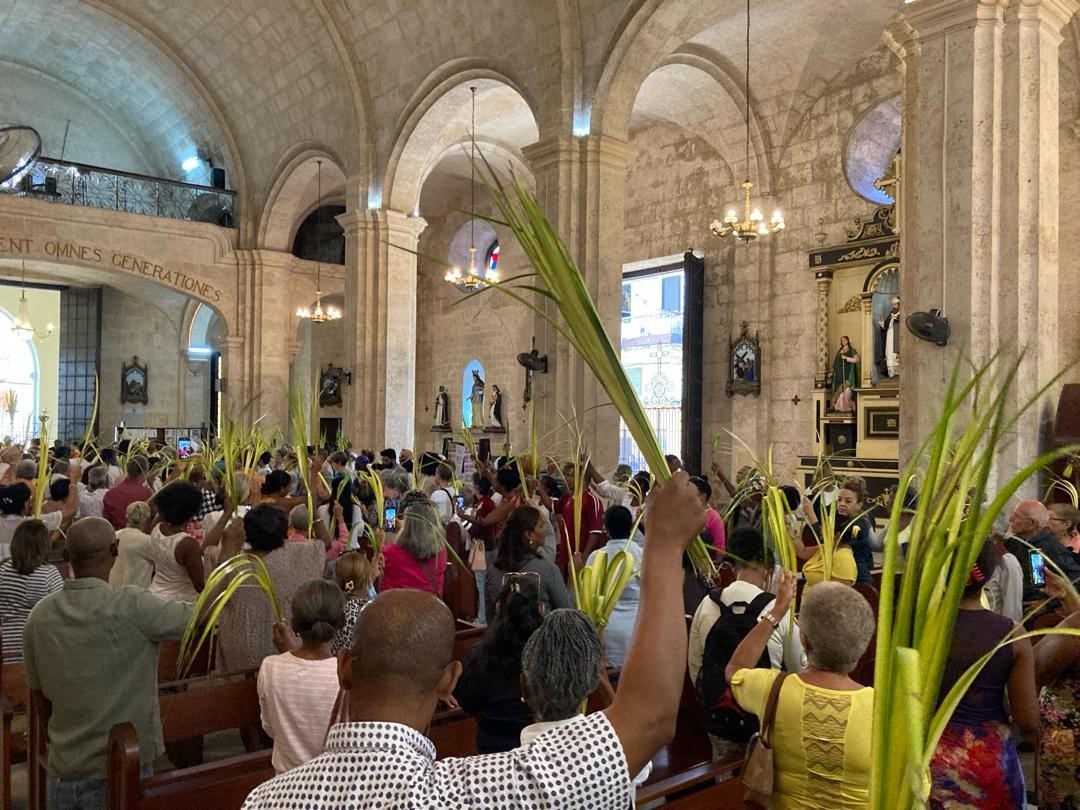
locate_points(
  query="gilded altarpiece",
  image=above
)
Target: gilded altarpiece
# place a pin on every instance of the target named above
(857, 283)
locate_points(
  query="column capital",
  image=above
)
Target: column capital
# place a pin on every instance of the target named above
(556, 149)
(352, 220)
(403, 224)
(926, 19)
(1054, 14)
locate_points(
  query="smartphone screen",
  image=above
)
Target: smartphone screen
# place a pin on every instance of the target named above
(460, 502)
(388, 521)
(1038, 569)
(183, 448)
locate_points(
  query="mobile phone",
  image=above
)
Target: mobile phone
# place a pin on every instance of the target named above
(183, 448)
(389, 518)
(1038, 568)
(460, 501)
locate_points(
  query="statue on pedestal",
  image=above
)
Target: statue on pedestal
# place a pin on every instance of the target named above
(476, 398)
(888, 354)
(495, 411)
(845, 376)
(442, 410)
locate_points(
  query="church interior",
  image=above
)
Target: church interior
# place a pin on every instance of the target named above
(796, 222)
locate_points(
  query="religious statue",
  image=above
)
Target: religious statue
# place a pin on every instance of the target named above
(845, 376)
(442, 410)
(476, 398)
(330, 380)
(495, 410)
(888, 353)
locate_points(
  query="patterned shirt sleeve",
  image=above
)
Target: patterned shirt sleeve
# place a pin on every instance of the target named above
(580, 764)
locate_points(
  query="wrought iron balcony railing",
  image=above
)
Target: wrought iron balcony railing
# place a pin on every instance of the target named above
(78, 184)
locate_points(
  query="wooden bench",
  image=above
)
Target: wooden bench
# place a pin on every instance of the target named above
(189, 709)
(698, 786)
(222, 785)
(14, 698)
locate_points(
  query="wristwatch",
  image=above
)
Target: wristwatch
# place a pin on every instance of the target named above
(768, 617)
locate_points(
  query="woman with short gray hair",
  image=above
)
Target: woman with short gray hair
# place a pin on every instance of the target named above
(821, 731)
(561, 665)
(417, 558)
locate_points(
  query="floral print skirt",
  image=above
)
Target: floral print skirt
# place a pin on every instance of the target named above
(1059, 757)
(977, 766)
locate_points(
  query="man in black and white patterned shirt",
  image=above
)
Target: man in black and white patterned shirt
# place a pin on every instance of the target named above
(401, 666)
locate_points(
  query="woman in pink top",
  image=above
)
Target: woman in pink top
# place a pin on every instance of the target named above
(417, 559)
(714, 524)
(298, 689)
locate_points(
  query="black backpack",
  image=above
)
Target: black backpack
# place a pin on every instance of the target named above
(723, 717)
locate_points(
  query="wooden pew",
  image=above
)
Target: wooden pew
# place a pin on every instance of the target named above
(14, 697)
(703, 785)
(194, 708)
(222, 785)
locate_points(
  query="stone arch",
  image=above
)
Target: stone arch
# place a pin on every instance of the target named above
(293, 194)
(424, 136)
(230, 146)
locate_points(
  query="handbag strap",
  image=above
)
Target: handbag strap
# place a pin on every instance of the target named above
(770, 707)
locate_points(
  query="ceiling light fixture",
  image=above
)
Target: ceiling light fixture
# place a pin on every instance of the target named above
(23, 327)
(318, 315)
(472, 278)
(753, 223)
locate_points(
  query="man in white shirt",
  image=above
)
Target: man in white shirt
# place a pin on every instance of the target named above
(444, 493)
(586, 763)
(746, 547)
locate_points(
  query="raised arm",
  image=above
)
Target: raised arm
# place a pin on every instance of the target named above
(748, 653)
(647, 701)
(71, 503)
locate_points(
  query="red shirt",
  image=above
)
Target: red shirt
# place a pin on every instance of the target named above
(489, 534)
(592, 520)
(403, 571)
(119, 498)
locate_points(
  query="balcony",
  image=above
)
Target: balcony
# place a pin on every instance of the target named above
(68, 183)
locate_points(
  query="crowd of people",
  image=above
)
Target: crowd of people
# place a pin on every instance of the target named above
(122, 549)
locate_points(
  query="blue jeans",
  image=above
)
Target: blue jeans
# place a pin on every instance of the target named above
(481, 592)
(81, 794)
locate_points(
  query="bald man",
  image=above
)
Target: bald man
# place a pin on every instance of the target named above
(1030, 521)
(401, 665)
(91, 662)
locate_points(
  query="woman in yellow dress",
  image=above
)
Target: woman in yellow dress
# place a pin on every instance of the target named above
(821, 734)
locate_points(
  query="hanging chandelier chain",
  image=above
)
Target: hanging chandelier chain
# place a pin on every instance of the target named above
(472, 174)
(318, 222)
(746, 97)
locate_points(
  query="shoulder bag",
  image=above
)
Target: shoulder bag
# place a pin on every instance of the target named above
(757, 773)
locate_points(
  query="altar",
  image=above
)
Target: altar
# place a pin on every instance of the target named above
(856, 399)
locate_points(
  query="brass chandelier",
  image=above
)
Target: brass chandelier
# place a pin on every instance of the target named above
(472, 278)
(23, 327)
(318, 314)
(753, 223)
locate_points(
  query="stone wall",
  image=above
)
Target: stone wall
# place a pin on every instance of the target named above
(679, 182)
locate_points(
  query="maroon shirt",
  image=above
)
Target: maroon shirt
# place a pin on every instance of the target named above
(119, 498)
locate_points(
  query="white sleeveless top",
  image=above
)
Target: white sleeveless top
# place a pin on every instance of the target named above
(171, 580)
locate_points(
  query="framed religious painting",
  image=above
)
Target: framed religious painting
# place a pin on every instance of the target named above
(134, 383)
(330, 381)
(745, 374)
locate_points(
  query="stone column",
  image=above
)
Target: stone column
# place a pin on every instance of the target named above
(824, 285)
(581, 184)
(267, 301)
(380, 316)
(980, 146)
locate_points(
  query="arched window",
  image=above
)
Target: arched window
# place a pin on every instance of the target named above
(479, 233)
(871, 146)
(321, 237)
(18, 384)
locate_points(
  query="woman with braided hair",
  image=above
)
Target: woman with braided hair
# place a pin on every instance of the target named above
(976, 763)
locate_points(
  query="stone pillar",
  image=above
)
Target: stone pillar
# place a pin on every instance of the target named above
(824, 285)
(980, 186)
(380, 316)
(581, 184)
(267, 302)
